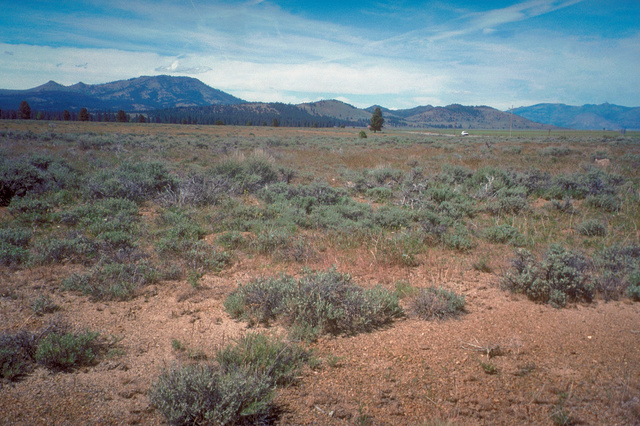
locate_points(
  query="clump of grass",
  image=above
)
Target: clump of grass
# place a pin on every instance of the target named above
(436, 303)
(237, 389)
(592, 228)
(43, 305)
(317, 303)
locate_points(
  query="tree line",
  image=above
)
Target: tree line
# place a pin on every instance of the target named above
(274, 114)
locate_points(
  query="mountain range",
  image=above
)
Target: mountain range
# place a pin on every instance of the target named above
(185, 99)
(136, 94)
(586, 117)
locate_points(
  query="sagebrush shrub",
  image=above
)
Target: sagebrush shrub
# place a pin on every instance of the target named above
(238, 389)
(68, 350)
(561, 277)
(504, 234)
(436, 303)
(112, 280)
(317, 303)
(17, 352)
(207, 394)
(133, 181)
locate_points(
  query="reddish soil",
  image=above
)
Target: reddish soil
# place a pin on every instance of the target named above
(547, 365)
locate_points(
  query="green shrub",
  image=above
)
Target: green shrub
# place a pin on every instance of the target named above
(607, 202)
(272, 356)
(392, 217)
(556, 151)
(618, 268)
(74, 248)
(508, 205)
(68, 350)
(105, 215)
(561, 277)
(379, 195)
(133, 181)
(592, 228)
(232, 240)
(504, 234)
(564, 206)
(36, 174)
(207, 394)
(43, 305)
(30, 210)
(322, 302)
(436, 303)
(11, 255)
(17, 353)
(239, 389)
(459, 239)
(110, 280)
(14, 243)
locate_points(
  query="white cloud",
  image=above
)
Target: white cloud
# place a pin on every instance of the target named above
(177, 68)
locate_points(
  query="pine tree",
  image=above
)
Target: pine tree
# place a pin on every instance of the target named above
(83, 115)
(24, 112)
(121, 117)
(376, 120)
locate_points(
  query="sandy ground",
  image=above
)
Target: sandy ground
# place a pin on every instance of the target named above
(507, 360)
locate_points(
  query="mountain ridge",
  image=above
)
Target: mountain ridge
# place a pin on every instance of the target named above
(158, 95)
(139, 94)
(586, 117)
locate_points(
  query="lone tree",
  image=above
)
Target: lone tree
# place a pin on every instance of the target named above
(66, 115)
(376, 120)
(83, 115)
(121, 117)
(24, 112)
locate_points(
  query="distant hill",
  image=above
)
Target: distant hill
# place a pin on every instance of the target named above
(460, 116)
(188, 100)
(259, 114)
(336, 109)
(136, 94)
(586, 117)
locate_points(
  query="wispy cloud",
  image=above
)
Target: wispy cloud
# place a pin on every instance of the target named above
(437, 53)
(177, 68)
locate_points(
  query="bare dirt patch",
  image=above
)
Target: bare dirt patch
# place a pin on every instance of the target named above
(506, 360)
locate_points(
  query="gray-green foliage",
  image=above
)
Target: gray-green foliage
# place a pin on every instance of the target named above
(133, 181)
(112, 280)
(504, 234)
(436, 303)
(14, 246)
(67, 350)
(562, 276)
(207, 394)
(237, 389)
(592, 228)
(36, 174)
(317, 303)
(55, 346)
(619, 271)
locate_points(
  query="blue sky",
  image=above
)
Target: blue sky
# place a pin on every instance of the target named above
(399, 54)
